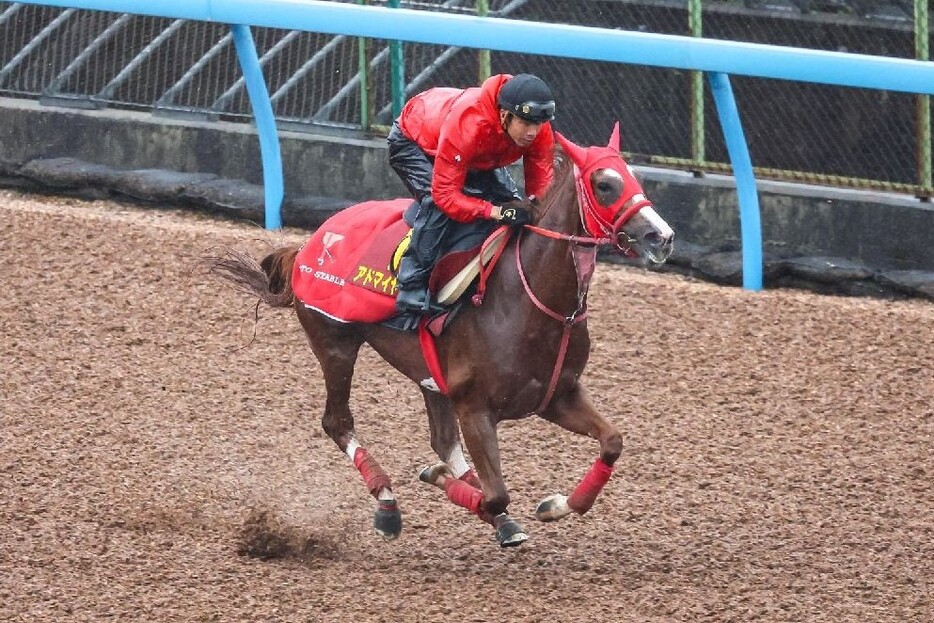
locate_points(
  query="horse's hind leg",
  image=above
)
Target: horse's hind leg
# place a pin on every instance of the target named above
(445, 441)
(336, 347)
(573, 411)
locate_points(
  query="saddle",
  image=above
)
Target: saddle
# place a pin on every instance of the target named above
(347, 269)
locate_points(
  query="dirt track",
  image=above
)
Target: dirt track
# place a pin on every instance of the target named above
(777, 467)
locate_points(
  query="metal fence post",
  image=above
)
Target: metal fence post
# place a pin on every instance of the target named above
(483, 56)
(749, 217)
(923, 107)
(363, 69)
(273, 185)
(397, 71)
(695, 24)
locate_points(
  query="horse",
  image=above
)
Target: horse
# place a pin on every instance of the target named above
(517, 347)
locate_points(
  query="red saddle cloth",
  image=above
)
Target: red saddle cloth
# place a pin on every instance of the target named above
(343, 271)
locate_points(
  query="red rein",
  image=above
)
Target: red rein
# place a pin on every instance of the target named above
(585, 259)
(584, 252)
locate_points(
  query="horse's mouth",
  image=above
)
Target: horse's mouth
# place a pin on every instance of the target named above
(651, 249)
(648, 236)
(658, 254)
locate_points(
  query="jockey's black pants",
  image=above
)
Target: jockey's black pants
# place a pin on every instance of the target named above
(430, 225)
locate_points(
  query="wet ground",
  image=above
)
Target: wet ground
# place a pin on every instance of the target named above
(158, 465)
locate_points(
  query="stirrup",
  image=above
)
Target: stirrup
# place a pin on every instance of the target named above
(410, 320)
(426, 306)
(415, 301)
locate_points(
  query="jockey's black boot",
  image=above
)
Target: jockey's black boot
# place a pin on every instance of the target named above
(413, 296)
(419, 258)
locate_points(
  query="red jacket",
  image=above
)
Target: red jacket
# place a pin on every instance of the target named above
(461, 129)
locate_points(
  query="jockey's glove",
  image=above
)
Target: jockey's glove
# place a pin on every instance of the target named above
(512, 214)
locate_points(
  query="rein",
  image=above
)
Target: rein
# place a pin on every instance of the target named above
(584, 253)
(585, 260)
(576, 240)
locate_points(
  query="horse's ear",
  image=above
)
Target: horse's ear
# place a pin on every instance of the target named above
(576, 153)
(614, 138)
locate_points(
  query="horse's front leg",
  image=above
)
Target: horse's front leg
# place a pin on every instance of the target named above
(573, 411)
(489, 502)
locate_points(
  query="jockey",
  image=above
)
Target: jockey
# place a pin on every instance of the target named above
(451, 148)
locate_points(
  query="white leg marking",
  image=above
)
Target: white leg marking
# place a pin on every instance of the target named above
(553, 508)
(457, 461)
(351, 449)
(430, 385)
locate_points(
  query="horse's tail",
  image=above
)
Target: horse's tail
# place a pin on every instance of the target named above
(270, 279)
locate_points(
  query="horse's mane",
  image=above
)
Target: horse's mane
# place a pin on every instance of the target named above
(562, 189)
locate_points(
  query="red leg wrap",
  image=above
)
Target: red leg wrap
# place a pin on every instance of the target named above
(590, 486)
(464, 494)
(471, 478)
(373, 475)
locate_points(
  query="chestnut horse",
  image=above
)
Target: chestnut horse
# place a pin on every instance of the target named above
(518, 352)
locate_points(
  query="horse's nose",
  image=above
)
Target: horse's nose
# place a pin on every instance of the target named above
(660, 239)
(660, 245)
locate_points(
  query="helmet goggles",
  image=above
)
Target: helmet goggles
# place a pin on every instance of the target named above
(536, 112)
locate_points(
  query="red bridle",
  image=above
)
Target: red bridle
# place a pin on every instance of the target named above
(603, 225)
(601, 230)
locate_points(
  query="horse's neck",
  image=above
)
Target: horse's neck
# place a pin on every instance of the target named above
(548, 263)
(563, 217)
(561, 212)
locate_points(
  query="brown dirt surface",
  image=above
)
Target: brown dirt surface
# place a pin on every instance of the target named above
(157, 466)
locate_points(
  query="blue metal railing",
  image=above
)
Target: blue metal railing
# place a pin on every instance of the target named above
(719, 58)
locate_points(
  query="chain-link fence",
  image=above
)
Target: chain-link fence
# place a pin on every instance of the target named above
(816, 133)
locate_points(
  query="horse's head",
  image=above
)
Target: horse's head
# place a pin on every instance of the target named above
(612, 203)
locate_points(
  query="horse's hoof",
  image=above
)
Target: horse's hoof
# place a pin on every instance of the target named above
(435, 474)
(508, 531)
(387, 521)
(553, 508)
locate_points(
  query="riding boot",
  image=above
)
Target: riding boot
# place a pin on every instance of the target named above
(419, 258)
(413, 293)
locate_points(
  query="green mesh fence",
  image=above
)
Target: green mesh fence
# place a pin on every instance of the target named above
(798, 131)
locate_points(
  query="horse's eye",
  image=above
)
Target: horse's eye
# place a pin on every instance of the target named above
(607, 186)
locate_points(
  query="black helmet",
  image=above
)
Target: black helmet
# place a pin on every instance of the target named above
(528, 97)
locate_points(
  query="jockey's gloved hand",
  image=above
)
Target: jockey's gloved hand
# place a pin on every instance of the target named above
(512, 214)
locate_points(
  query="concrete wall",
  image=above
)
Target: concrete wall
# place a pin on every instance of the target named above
(348, 165)
(881, 230)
